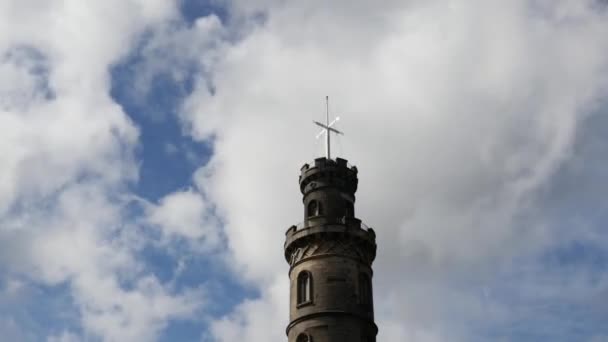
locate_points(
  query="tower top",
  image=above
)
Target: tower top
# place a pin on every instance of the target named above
(327, 129)
(330, 256)
(328, 173)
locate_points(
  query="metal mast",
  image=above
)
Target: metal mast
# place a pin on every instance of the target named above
(327, 129)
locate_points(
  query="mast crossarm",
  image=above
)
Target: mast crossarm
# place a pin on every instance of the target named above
(327, 129)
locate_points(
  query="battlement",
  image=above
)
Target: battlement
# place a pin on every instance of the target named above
(329, 173)
(330, 255)
(352, 230)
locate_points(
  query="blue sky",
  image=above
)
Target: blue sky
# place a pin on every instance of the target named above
(147, 144)
(168, 158)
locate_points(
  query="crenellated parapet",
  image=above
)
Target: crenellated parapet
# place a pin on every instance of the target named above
(328, 173)
(330, 256)
(331, 239)
(328, 188)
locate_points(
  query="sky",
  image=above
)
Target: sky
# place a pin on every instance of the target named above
(150, 149)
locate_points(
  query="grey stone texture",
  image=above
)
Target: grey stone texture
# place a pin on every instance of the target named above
(335, 250)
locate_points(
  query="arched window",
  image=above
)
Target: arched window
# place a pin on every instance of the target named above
(303, 338)
(304, 287)
(365, 290)
(315, 208)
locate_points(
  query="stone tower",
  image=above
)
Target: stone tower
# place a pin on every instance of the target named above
(330, 255)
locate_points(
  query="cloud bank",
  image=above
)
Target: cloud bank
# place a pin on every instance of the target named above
(460, 117)
(67, 155)
(478, 128)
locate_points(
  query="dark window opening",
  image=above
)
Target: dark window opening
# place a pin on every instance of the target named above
(315, 208)
(303, 338)
(304, 287)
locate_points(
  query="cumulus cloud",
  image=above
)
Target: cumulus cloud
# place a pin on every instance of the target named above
(459, 115)
(66, 155)
(469, 122)
(256, 320)
(185, 214)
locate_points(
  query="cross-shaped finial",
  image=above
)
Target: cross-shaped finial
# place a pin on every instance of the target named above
(327, 129)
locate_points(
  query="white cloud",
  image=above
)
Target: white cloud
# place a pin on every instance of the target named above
(185, 214)
(458, 115)
(65, 336)
(66, 154)
(139, 314)
(83, 242)
(172, 50)
(256, 320)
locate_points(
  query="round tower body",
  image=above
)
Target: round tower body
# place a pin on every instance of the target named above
(330, 255)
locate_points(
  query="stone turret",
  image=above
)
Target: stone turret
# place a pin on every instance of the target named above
(330, 255)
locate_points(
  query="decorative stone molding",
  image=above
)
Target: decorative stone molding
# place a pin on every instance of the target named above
(323, 246)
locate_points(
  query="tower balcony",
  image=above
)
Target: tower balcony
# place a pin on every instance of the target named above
(345, 230)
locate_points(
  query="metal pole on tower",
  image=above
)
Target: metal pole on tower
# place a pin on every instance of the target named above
(327, 129)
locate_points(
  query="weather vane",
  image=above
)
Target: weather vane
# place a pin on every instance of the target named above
(327, 129)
